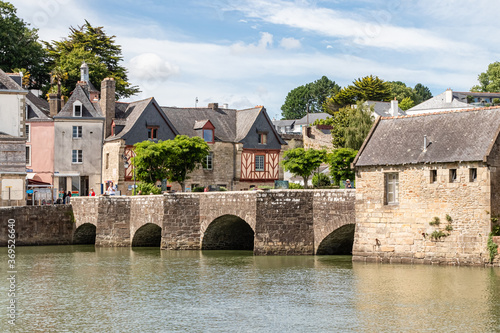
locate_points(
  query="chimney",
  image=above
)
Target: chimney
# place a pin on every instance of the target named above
(54, 104)
(84, 72)
(225, 106)
(394, 108)
(213, 106)
(107, 103)
(448, 97)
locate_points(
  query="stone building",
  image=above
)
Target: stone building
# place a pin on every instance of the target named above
(427, 187)
(12, 139)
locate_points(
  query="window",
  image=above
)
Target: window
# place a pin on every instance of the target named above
(208, 135)
(392, 188)
(472, 174)
(209, 162)
(77, 132)
(262, 138)
(77, 156)
(433, 176)
(259, 162)
(453, 175)
(28, 155)
(28, 132)
(153, 133)
(107, 160)
(77, 109)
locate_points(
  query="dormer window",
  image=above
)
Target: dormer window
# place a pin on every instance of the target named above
(153, 132)
(262, 138)
(77, 109)
(208, 135)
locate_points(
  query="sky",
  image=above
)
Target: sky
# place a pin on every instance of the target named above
(253, 52)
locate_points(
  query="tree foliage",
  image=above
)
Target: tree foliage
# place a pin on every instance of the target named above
(368, 88)
(312, 94)
(422, 93)
(406, 103)
(170, 159)
(98, 50)
(19, 47)
(489, 81)
(400, 91)
(302, 163)
(320, 180)
(340, 164)
(351, 126)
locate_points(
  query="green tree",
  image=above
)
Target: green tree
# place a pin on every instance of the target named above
(400, 91)
(320, 180)
(351, 126)
(312, 95)
(406, 103)
(489, 81)
(150, 163)
(368, 88)
(302, 163)
(340, 164)
(98, 50)
(19, 47)
(184, 155)
(422, 93)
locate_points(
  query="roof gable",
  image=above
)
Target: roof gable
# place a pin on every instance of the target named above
(38, 108)
(452, 136)
(7, 83)
(88, 109)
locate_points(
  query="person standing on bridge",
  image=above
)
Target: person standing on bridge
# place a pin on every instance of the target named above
(348, 183)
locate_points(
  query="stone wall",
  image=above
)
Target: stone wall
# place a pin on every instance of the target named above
(181, 222)
(317, 139)
(113, 224)
(38, 225)
(401, 232)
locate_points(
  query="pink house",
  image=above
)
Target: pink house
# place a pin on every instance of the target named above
(40, 140)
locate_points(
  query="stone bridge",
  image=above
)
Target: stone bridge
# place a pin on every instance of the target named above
(276, 222)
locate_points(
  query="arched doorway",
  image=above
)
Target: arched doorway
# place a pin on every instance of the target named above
(149, 235)
(228, 232)
(85, 234)
(338, 242)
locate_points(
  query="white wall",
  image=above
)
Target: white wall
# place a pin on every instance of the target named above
(12, 113)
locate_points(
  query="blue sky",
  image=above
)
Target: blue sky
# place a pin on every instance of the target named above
(253, 52)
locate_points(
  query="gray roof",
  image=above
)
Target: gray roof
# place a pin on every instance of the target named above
(439, 102)
(284, 123)
(6, 82)
(452, 136)
(245, 120)
(89, 109)
(312, 118)
(383, 109)
(38, 108)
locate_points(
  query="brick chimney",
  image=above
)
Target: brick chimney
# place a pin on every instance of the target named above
(213, 106)
(54, 104)
(394, 108)
(448, 96)
(107, 103)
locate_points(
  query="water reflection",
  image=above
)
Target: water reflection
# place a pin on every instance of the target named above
(82, 288)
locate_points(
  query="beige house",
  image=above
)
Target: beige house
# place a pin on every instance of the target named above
(427, 188)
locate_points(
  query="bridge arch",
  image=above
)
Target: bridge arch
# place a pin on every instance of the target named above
(148, 235)
(85, 233)
(228, 232)
(338, 242)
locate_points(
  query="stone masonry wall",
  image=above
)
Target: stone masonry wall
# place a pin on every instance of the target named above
(38, 225)
(401, 232)
(181, 222)
(284, 223)
(332, 210)
(113, 224)
(317, 139)
(85, 210)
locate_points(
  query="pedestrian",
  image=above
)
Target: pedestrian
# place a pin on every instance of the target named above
(68, 197)
(92, 193)
(348, 184)
(206, 189)
(64, 198)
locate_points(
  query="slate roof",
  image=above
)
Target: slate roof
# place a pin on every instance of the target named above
(439, 102)
(38, 108)
(184, 119)
(89, 109)
(6, 82)
(312, 118)
(284, 123)
(452, 136)
(383, 109)
(18, 79)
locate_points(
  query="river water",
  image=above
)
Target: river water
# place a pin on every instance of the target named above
(84, 289)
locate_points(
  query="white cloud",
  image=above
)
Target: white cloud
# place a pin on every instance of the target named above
(290, 43)
(266, 40)
(150, 66)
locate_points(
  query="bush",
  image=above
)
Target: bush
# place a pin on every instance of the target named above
(198, 189)
(294, 186)
(320, 180)
(147, 188)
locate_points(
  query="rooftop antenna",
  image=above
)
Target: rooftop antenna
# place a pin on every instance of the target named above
(196, 102)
